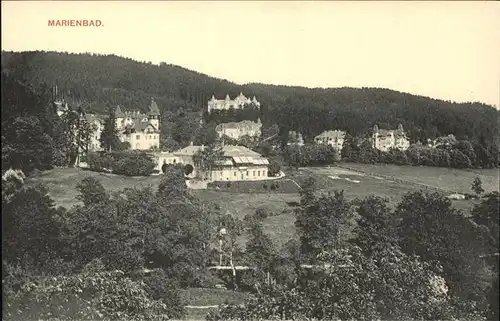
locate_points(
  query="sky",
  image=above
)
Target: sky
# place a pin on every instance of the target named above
(445, 50)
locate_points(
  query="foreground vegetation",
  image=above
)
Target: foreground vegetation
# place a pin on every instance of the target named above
(419, 260)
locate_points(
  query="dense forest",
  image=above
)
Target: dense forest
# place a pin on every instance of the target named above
(96, 82)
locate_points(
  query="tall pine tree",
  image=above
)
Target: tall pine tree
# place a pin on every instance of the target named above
(109, 136)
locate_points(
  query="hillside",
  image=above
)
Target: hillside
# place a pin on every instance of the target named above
(98, 81)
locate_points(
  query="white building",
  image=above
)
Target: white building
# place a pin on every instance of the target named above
(384, 140)
(227, 103)
(334, 138)
(238, 164)
(141, 131)
(295, 138)
(236, 130)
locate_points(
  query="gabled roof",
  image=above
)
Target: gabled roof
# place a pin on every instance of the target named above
(238, 125)
(153, 109)
(118, 112)
(139, 127)
(331, 134)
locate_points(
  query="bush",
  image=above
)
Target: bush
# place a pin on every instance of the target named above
(90, 295)
(261, 214)
(159, 287)
(129, 163)
(140, 165)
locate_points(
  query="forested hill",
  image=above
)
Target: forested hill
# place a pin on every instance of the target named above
(106, 80)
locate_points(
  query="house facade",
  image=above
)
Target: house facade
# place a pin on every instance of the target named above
(236, 130)
(238, 164)
(141, 131)
(334, 138)
(295, 138)
(384, 140)
(227, 103)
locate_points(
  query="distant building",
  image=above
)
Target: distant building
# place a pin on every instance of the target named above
(227, 103)
(98, 122)
(239, 164)
(384, 140)
(442, 142)
(334, 138)
(295, 138)
(236, 130)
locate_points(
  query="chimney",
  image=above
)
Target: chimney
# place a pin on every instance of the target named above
(191, 143)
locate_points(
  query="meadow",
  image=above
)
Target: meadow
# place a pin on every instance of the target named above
(356, 180)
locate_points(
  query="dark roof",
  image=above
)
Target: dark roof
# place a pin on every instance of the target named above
(138, 127)
(118, 112)
(153, 109)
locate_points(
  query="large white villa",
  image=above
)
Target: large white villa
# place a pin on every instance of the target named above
(140, 130)
(227, 103)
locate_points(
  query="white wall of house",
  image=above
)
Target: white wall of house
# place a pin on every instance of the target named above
(142, 140)
(250, 173)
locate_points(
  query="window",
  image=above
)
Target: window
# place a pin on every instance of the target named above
(258, 173)
(253, 173)
(175, 161)
(247, 173)
(149, 136)
(137, 136)
(234, 173)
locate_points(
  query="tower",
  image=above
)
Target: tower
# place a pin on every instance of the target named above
(154, 114)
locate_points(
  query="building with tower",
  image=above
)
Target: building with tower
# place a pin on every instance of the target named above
(227, 103)
(140, 130)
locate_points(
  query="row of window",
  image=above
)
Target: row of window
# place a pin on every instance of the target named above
(137, 137)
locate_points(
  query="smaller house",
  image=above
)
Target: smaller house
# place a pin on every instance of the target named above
(443, 142)
(236, 130)
(334, 138)
(385, 140)
(295, 138)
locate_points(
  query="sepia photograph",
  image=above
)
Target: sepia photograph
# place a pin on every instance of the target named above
(250, 160)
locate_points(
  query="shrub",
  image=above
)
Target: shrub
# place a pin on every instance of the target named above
(140, 165)
(130, 163)
(261, 213)
(89, 295)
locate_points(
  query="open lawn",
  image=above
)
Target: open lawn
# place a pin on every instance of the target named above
(279, 224)
(392, 182)
(450, 179)
(62, 182)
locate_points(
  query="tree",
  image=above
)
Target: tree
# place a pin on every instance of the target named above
(89, 295)
(260, 252)
(350, 286)
(208, 158)
(487, 214)
(324, 223)
(109, 136)
(430, 227)
(477, 186)
(91, 191)
(376, 224)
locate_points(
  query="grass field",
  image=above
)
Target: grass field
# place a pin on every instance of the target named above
(279, 224)
(361, 183)
(62, 183)
(455, 180)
